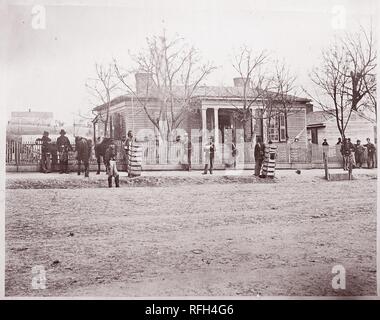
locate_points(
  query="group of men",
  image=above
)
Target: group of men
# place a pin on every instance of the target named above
(209, 149)
(350, 152)
(354, 153)
(63, 146)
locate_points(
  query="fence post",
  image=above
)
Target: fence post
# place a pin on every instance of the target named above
(325, 162)
(17, 154)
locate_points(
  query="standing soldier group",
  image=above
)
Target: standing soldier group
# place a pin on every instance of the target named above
(355, 153)
(63, 147)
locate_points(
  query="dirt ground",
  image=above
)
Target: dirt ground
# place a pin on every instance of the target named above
(191, 236)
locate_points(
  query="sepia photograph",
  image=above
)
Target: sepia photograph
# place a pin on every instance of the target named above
(190, 149)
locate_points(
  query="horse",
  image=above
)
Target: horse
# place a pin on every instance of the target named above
(100, 151)
(83, 148)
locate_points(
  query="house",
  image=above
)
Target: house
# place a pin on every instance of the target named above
(26, 126)
(30, 123)
(322, 125)
(211, 108)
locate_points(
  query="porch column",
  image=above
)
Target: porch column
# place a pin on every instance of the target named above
(204, 130)
(253, 119)
(265, 128)
(216, 130)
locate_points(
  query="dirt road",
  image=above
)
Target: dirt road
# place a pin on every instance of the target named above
(190, 239)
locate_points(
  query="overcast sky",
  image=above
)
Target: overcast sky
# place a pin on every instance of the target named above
(47, 68)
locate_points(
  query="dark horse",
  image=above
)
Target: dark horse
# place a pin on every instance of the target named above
(83, 148)
(100, 151)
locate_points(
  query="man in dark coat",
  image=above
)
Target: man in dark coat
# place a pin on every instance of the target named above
(189, 153)
(110, 160)
(45, 156)
(127, 149)
(359, 154)
(371, 149)
(347, 150)
(259, 155)
(209, 151)
(64, 146)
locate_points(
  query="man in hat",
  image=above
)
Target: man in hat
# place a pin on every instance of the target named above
(259, 155)
(359, 154)
(371, 149)
(45, 160)
(347, 150)
(209, 150)
(127, 148)
(64, 146)
(110, 160)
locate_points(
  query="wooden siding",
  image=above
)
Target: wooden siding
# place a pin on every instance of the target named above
(297, 125)
(357, 128)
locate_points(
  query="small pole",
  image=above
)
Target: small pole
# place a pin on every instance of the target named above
(326, 166)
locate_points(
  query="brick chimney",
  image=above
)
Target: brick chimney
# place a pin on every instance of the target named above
(144, 84)
(239, 82)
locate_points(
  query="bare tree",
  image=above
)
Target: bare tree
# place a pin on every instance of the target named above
(346, 78)
(254, 84)
(361, 53)
(284, 96)
(371, 102)
(272, 89)
(176, 71)
(102, 88)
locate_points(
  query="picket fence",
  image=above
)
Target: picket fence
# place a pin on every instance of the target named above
(174, 153)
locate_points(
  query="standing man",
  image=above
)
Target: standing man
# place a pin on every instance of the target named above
(359, 154)
(347, 150)
(259, 155)
(186, 156)
(324, 143)
(127, 148)
(234, 153)
(64, 146)
(371, 149)
(209, 150)
(45, 155)
(339, 141)
(189, 153)
(110, 160)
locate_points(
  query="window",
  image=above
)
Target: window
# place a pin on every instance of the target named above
(277, 129)
(273, 130)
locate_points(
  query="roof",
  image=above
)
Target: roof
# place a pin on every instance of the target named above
(317, 117)
(31, 114)
(321, 117)
(204, 93)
